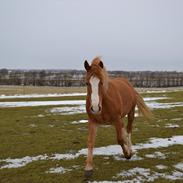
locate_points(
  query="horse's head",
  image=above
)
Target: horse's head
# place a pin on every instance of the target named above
(95, 79)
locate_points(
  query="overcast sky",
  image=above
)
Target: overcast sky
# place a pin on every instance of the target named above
(60, 34)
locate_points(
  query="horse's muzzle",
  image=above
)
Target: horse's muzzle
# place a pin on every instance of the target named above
(96, 109)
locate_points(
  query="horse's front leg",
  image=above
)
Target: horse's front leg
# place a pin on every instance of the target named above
(92, 130)
(123, 139)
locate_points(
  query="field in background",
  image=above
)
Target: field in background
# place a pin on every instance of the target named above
(46, 144)
(22, 90)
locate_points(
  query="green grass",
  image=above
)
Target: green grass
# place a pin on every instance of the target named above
(19, 139)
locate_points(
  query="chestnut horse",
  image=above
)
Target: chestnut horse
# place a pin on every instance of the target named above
(108, 101)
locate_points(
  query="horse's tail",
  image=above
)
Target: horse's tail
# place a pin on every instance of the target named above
(142, 107)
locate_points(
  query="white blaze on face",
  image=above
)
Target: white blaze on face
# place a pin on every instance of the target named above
(94, 81)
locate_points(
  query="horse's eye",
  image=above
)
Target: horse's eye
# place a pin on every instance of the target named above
(87, 83)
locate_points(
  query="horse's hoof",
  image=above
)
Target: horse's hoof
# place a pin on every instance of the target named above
(128, 156)
(88, 174)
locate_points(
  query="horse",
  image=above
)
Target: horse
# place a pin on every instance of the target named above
(108, 101)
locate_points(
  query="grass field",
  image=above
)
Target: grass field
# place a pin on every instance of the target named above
(47, 144)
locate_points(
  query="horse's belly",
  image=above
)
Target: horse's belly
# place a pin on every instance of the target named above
(103, 118)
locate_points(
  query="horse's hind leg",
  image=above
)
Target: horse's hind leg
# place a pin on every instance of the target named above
(122, 138)
(131, 115)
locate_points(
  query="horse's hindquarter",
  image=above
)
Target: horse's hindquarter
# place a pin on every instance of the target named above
(122, 94)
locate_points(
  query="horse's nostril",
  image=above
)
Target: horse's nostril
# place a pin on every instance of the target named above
(95, 109)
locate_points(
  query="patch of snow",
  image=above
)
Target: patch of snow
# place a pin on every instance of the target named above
(161, 142)
(176, 119)
(41, 103)
(179, 166)
(106, 181)
(64, 156)
(33, 125)
(110, 150)
(41, 95)
(59, 170)
(169, 125)
(154, 98)
(155, 91)
(69, 110)
(75, 166)
(156, 105)
(153, 143)
(161, 167)
(156, 155)
(20, 162)
(135, 171)
(176, 175)
(80, 121)
(40, 115)
(61, 102)
(133, 158)
(145, 175)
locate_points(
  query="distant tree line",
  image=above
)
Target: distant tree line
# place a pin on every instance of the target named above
(77, 78)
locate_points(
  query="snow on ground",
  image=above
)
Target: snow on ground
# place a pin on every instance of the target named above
(156, 91)
(179, 166)
(169, 125)
(59, 170)
(162, 90)
(146, 99)
(156, 105)
(111, 150)
(81, 105)
(41, 95)
(20, 162)
(156, 154)
(176, 119)
(161, 167)
(81, 108)
(149, 100)
(41, 115)
(133, 158)
(146, 175)
(106, 181)
(42, 103)
(69, 110)
(141, 173)
(33, 125)
(174, 176)
(80, 121)
(161, 142)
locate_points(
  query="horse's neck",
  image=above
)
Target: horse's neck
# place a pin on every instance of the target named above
(106, 80)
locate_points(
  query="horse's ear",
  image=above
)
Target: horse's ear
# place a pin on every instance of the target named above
(86, 65)
(101, 64)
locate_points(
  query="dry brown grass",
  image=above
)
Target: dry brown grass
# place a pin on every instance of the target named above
(22, 90)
